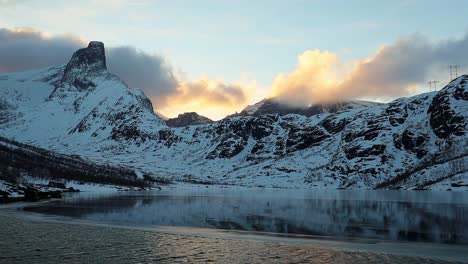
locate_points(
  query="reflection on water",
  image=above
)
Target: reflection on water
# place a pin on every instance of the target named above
(390, 215)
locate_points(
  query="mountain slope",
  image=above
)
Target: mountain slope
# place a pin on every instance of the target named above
(82, 109)
(80, 102)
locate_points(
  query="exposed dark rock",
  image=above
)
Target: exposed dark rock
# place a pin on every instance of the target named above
(301, 138)
(128, 132)
(71, 189)
(369, 132)
(414, 143)
(332, 125)
(443, 119)
(85, 61)
(396, 112)
(188, 119)
(167, 137)
(359, 151)
(56, 185)
(263, 126)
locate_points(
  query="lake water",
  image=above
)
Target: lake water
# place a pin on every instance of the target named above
(416, 216)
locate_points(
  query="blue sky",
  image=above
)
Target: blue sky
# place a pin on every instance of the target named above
(242, 40)
(233, 39)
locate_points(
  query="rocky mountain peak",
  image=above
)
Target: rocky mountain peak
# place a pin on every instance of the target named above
(85, 62)
(188, 119)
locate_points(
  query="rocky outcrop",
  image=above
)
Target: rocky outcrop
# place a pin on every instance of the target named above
(443, 119)
(84, 63)
(188, 119)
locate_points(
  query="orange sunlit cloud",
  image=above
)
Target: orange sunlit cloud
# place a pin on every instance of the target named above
(208, 97)
(393, 71)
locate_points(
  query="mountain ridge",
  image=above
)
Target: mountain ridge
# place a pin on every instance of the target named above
(410, 143)
(274, 105)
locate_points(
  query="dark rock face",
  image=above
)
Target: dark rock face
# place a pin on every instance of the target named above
(412, 142)
(359, 151)
(56, 184)
(302, 138)
(85, 62)
(332, 125)
(167, 137)
(396, 113)
(443, 119)
(263, 126)
(233, 135)
(371, 130)
(188, 119)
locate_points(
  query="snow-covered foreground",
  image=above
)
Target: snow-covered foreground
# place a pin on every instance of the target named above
(81, 109)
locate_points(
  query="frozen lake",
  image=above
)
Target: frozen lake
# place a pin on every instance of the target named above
(416, 216)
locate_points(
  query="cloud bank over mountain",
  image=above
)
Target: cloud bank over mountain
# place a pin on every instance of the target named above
(24, 49)
(395, 70)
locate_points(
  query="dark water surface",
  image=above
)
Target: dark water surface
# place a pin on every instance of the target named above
(423, 216)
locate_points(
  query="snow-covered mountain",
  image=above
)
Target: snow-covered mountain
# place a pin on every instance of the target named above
(82, 109)
(275, 106)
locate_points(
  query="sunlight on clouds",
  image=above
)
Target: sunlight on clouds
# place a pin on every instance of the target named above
(399, 69)
(315, 79)
(212, 98)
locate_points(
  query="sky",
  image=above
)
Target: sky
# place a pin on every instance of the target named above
(216, 57)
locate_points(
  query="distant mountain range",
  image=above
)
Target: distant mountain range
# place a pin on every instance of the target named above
(81, 109)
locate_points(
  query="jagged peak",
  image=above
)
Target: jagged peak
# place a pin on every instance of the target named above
(84, 62)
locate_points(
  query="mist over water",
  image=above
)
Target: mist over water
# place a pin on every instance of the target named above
(440, 217)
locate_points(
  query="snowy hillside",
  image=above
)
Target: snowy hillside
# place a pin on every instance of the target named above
(82, 109)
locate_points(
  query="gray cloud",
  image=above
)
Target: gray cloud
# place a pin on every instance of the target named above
(395, 70)
(411, 61)
(28, 49)
(148, 72)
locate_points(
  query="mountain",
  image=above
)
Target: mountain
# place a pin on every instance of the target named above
(188, 119)
(275, 106)
(82, 109)
(75, 104)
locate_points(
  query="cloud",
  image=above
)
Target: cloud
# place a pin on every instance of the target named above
(141, 70)
(395, 70)
(24, 49)
(209, 97)
(314, 79)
